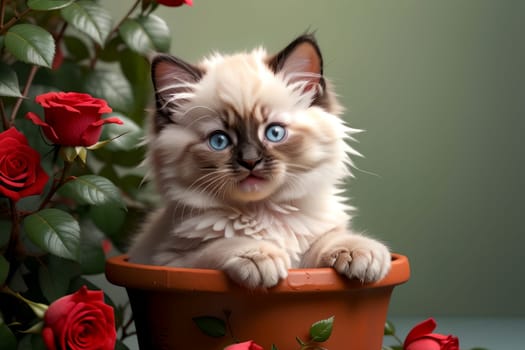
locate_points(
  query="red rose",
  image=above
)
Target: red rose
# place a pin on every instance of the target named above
(247, 345)
(175, 3)
(71, 118)
(21, 174)
(80, 321)
(421, 338)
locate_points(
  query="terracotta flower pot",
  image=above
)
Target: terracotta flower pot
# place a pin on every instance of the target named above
(165, 300)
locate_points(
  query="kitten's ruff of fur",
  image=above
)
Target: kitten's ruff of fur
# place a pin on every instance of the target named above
(249, 153)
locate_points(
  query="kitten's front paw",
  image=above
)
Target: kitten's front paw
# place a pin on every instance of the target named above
(359, 257)
(260, 267)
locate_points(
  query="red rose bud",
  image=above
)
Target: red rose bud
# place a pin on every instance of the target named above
(71, 118)
(247, 345)
(21, 174)
(422, 338)
(175, 3)
(80, 321)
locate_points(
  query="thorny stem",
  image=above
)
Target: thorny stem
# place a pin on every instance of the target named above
(29, 80)
(25, 91)
(60, 34)
(14, 248)
(93, 61)
(2, 12)
(56, 185)
(125, 334)
(133, 7)
(3, 116)
(12, 21)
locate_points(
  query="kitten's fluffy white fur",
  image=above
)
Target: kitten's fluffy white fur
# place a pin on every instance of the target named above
(262, 204)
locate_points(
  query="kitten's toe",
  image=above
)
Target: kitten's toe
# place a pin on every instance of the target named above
(256, 269)
(368, 261)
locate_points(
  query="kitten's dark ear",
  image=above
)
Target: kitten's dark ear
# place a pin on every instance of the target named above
(300, 61)
(172, 80)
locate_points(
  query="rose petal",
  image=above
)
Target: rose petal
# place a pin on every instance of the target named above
(247, 345)
(91, 135)
(48, 130)
(419, 330)
(68, 115)
(13, 133)
(423, 344)
(49, 338)
(82, 321)
(21, 174)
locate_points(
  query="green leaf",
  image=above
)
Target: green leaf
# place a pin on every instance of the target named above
(31, 44)
(100, 213)
(76, 48)
(112, 50)
(7, 338)
(146, 34)
(158, 30)
(4, 269)
(392, 347)
(8, 82)
(274, 347)
(211, 326)
(37, 342)
(124, 137)
(111, 86)
(54, 278)
(137, 71)
(92, 258)
(120, 345)
(54, 231)
(320, 331)
(389, 328)
(48, 5)
(92, 190)
(90, 18)
(5, 228)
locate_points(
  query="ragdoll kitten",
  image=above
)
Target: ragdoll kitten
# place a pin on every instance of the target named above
(248, 153)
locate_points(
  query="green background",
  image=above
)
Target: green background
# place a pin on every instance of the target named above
(439, 87)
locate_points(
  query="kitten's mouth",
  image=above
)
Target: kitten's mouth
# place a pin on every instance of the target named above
(252, 183)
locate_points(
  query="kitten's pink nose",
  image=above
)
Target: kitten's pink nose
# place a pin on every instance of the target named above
(249, 164)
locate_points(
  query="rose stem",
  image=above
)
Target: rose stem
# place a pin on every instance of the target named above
(5, 123)
(12, 21)
(18, 103)
(56, 185)
(125, 328)
(14, 248)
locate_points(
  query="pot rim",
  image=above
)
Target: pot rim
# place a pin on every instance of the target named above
(120, 271)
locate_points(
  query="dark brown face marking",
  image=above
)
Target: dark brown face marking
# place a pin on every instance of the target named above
(248, 151)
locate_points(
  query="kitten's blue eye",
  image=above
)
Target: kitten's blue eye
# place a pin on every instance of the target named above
(275, 133)
(219, 141)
